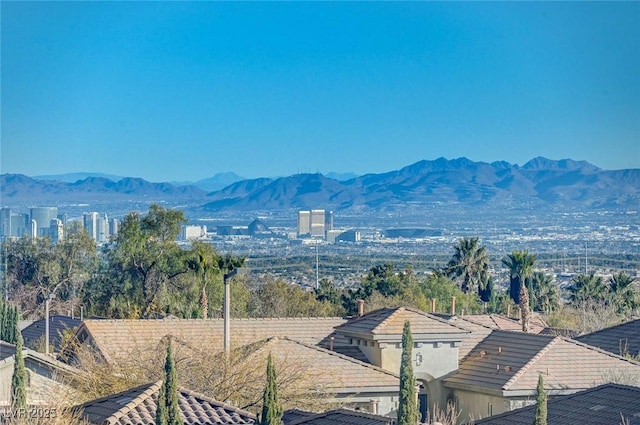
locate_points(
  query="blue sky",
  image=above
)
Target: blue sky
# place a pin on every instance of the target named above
(172, 91)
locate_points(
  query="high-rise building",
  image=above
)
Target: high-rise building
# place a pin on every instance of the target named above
(5, 222)
(103, 229)
(113, 228)
(56, 230)
(43, 216)
(318, 223)
(91, 224)
(304, 223)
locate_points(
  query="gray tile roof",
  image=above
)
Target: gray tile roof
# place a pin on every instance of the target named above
(344, 417)
(620, 339)
(137, 406)
(6, 350)
(511, 361)
(601, 405)
(291, 415)
(34, 334)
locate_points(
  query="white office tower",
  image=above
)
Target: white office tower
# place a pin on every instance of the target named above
(34, 229)
(318, 223)
(56, 231)
(91, 224)
(304, 223)
(43, 216)
(103, 229)
(113, 228)
(191, 232)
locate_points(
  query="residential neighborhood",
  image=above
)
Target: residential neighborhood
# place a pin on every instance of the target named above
(336, 370)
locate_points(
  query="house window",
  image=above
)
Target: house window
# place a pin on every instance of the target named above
(490, 409)
(350, 341)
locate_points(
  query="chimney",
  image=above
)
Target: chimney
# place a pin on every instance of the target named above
(360, 308)
(373, 406)
(331, 340)
(433, 305)
(453, 306)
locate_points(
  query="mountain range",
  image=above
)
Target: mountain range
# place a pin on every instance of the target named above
(540, 181)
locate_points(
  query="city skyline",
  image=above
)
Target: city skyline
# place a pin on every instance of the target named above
(184, 91)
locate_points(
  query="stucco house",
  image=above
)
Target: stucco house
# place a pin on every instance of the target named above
(501, 373)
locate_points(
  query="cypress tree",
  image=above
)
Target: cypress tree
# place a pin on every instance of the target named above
(168, 411)
(541, 404)
(407, 405)
(271, 409)
(19, 379)
(4, 320)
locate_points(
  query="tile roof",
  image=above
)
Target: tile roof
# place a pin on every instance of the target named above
(6, 350)
(291, 415)
(328, 370)
(123, 338)
(344, 417)
(137, 406)
(390, 321)
(620, 339)
(498, 321)
(34, 333)
(512, 361)
(596, 406)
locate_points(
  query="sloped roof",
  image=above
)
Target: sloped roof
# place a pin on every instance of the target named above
(327, 369)
(596, 406)
(35, 332)
(291, 415)
(498, 321)
(344, 417)
(620, 339)
(511, 361)
(390, 321)
(6, 350)
(123, 338)
(137, 406)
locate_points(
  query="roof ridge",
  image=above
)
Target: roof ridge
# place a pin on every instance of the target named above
(389, 317)
(599, 350)
(333, 353)
(210, 400)
(130, 406)
(531, 361)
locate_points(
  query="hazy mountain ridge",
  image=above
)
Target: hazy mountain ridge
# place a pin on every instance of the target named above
(460, 181)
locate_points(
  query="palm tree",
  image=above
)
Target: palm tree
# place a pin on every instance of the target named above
(546, 295)
(623, 292)
(470, 264)
(520, 264)
(589, 287)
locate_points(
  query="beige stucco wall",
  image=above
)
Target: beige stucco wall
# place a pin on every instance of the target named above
(477, 406)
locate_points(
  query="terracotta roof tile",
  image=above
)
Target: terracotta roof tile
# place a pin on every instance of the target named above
(596, 406)
(512, 361)
(137, 406)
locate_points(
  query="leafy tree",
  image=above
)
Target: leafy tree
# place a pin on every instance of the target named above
(470, 265)
(142, 266)
(541, 403)
(168, 411)
(277, 298)
(407, 403)
(19, 378)
(520, 265)
(271, 408)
